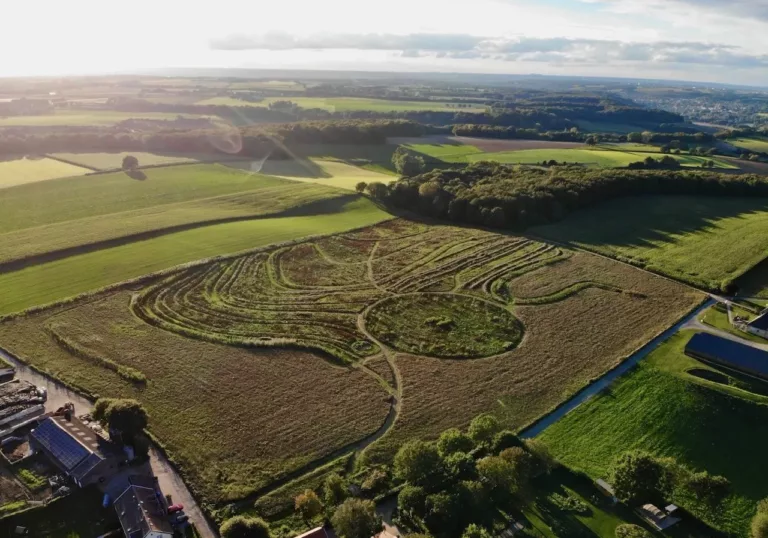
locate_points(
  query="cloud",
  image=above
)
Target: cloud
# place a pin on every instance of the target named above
(745, 9)
(520, 49)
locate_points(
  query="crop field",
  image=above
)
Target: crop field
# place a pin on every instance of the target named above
(85, 117)
(759, 145)
(673, 235)
(110, 161)
(23, 171)
(56, 280)
(469, 150)
(347, 104)
(97, 209)
(669, 406)
(324, 310)
(330, 173)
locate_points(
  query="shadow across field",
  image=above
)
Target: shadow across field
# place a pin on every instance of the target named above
(319, 207)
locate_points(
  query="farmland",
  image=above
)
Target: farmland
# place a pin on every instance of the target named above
(346, 104)
(83, 118)
(111, 161)
(661, 407)
(760, 145)
(331, 173)
(57, 280)
(470, 150)
(673, 235)
(62, 215)
(316, 310)
(22, 171)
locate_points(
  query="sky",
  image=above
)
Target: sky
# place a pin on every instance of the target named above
(696, 40)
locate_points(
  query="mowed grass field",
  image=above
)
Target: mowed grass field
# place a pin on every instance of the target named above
(349, 104)
(673, 235)
(110, 161)
(84, 117)
(759, 145)
(660, 407)
(330, 173)
(321, 295)
(22, 171)
(58, 280)
(604, 156)
(40, 218)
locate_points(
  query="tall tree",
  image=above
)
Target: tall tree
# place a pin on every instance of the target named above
(356, 518)
(244, 527)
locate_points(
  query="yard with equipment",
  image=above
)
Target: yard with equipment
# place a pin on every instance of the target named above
(673, 235)
(671, 406)
(195, 336)
(27, 170)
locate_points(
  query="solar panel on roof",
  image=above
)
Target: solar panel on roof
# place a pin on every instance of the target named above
(60, 444)
(728, 353)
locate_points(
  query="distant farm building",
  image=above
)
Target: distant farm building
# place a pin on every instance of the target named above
(76, 450)
(759, 326)
(728, 354)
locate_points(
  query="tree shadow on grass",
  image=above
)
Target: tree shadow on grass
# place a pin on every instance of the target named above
(644, 221)
(138, 175)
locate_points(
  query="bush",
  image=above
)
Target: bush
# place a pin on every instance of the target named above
(308, 505)
(632, 531)
(483, 429)
(334, 489)
(505, 439)
(707, 487)
(375, 482)
(245, 527)
(411, 501)
(544, 461)
(419, 464)
(452, 441)
(569, 503)
(759, 525)
(637, 477)
(356, 518)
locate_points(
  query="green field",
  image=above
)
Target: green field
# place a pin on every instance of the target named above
(84, 117)
(109, 161)
(662, 408)
(331, 173)
(75, 212)
(346, 104)
(22, 171)
(759, 145)
(54, 281)
(717, 317)
(673, 235)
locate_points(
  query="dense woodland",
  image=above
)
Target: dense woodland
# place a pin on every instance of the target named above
(516, 197)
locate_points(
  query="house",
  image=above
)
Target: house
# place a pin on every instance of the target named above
(318, 532)
(657, 517)
(759, 326)
(76, 450)
(728, 354)
(142, 511)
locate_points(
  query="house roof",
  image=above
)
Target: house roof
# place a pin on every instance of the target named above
(140, 512)
(318, 532)
(740, 357)
(60, 444)
(760, 322)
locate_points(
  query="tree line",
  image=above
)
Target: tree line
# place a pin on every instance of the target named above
(254, 140)
(512, 197)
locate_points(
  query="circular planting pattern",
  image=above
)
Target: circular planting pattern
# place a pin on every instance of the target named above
(444, 325)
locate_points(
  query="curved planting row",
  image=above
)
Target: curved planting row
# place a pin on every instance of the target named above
(316, 294)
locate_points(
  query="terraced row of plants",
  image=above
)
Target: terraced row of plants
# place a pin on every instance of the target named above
(321, 295)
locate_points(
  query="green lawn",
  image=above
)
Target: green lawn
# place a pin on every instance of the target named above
(346, 104)
(660, 408)
(330, 173)
(674, 235)
(46, 283)
(446, 152)
(84, 117)
(108, 161)
(759, 145)
(717, 317)
(23, 171)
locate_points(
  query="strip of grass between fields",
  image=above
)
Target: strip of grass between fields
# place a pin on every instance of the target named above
(55, 281)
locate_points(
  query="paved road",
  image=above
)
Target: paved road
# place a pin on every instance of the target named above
(697, 325)
(170, 482)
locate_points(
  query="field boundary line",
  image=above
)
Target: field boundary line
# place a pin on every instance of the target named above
(73, 163)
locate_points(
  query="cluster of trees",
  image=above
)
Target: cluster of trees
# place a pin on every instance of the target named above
(125, 419)
(406, 163)
(514, 133)
(516, 197)
(638, 478)
(256, 140)
(455, 486)
(742, 132)
(664, 163)
(676, 140)
(25, 107)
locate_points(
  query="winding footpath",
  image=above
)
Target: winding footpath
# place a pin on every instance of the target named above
(170, 481)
